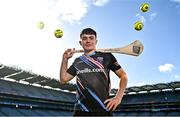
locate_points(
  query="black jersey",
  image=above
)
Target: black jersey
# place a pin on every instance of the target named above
(93, 81)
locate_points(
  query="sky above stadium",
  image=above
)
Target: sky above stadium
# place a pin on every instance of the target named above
(25, 46)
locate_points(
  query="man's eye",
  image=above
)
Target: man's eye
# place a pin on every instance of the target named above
(91, 38)
(84, 38)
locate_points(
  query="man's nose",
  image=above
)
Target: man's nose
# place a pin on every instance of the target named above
(88, 39)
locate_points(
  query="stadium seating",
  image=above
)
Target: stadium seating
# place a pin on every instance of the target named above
(33, 91)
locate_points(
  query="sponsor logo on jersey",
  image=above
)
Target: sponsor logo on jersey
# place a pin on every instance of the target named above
(86, 70)
(116, 63)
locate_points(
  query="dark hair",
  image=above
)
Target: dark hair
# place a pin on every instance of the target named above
(88, 31)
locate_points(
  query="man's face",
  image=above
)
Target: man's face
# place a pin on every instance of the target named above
(88, 42)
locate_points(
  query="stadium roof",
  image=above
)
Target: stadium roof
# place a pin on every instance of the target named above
(18, 75)
(22, 75)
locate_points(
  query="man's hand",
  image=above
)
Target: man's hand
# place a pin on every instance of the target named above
(68, 53)
(112, 103)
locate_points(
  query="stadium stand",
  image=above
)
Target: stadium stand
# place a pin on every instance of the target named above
(23, 93)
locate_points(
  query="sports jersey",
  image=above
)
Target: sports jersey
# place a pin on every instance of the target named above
(92, 80)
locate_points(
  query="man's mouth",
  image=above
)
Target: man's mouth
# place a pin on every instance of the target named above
(88, 45)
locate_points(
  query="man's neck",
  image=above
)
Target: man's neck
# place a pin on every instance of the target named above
(89, 52)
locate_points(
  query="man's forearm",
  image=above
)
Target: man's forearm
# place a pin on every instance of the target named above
(63, 70)
(122, 87)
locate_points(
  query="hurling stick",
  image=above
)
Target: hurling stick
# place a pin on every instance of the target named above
(135, 49)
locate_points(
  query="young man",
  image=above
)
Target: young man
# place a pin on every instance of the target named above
(92, 77)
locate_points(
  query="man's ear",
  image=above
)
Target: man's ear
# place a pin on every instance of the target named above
(96, 41)
(80, 43)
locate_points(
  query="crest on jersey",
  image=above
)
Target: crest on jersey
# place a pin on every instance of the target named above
(100, 59)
